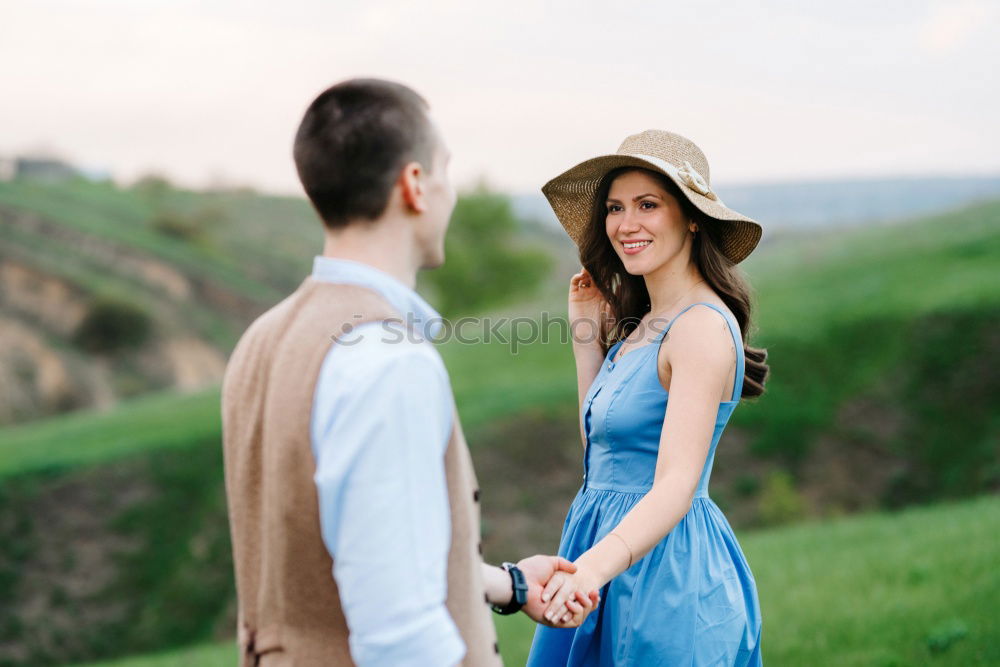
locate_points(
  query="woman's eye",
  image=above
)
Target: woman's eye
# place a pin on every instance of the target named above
(651, 204)
(613, 207)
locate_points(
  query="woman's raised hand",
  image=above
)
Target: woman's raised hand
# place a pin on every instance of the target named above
(587, 307)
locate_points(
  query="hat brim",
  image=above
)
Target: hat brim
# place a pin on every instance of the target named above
(571, 196)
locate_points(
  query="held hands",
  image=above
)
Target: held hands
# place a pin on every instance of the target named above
(562, 589)
(542, 570)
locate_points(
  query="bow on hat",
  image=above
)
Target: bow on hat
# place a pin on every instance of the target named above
(691, 178)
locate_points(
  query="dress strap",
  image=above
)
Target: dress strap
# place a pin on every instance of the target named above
(737, 341)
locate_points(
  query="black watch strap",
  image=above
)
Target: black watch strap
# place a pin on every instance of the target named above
(520, 588)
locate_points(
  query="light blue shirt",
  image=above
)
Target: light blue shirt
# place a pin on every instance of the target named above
(381, 422)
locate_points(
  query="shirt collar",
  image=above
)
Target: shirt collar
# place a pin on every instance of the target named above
(411, 305)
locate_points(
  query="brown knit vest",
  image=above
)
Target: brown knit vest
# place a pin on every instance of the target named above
(289, 607)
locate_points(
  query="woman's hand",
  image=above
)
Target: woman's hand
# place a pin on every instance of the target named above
(561, 591)
(579, 607)
(587, 307)
(540, 569)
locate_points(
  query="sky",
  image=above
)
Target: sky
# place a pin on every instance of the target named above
(210, 92)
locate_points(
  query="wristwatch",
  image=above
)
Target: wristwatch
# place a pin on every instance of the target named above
(520, 595)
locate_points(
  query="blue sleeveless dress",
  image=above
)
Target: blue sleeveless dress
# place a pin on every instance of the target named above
(691, 600)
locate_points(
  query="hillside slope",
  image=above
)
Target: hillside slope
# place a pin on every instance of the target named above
(107, 293)
(882, 394)
(110, 293)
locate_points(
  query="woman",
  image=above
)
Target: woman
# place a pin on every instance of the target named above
(661, 290)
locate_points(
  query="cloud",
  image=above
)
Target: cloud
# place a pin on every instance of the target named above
(950, 25)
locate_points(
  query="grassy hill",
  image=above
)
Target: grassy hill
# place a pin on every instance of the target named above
(881, 395)
(917, 587)
(876, 334)
(109, 293)
(224, 230)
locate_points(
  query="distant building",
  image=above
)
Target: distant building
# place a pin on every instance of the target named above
(8, 168)
(49, 170)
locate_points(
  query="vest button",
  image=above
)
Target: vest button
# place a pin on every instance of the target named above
(480, 548)
(496, 648)
(475, 495)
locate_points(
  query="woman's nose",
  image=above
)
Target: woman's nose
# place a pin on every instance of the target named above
(629, 223)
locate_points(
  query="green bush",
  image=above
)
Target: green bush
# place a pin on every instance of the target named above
(943, 636)
(779, 501)
(154, 188)
(177, 226)
(191, 227)
(112, 324)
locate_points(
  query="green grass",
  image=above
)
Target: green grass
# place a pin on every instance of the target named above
(897, 315)
(64, 261)
(501, 378)
(917, 587)
(839, 313)
(515, 633)
(488, 381)
(942, 262)
(122, 217)
(249, 248)
(151, 423)
(102, 240)
(208, 655)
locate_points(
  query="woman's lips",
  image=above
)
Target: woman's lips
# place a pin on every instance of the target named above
(635, 247)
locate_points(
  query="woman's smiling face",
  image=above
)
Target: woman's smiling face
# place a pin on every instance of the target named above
(644, 222)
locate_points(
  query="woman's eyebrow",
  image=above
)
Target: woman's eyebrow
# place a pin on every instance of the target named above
(648, 194)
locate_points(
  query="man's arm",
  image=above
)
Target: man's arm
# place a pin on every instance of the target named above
(381, 423)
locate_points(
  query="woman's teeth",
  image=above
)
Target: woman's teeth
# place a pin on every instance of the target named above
(637, 244)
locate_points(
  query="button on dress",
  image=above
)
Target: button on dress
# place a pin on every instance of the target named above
(692, 599)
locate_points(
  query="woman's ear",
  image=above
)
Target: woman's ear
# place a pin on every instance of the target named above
(411, 188)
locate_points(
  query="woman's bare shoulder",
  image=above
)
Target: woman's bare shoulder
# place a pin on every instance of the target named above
(699, 335)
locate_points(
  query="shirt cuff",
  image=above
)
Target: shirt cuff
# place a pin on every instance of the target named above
(427, 641)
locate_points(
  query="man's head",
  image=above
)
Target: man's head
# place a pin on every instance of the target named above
(367, 149)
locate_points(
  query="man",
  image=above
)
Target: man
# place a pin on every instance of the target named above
(343, 452)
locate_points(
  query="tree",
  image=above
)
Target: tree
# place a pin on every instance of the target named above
(486, 264)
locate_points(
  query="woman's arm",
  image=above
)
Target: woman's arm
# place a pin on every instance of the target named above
(588, 365)
(700, 356)
(586, 306)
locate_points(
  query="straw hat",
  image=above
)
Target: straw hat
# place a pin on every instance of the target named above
(571, 194)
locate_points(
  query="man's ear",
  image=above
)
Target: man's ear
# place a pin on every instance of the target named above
(410, 186)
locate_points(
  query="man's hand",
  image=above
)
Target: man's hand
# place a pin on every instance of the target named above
(537, 571)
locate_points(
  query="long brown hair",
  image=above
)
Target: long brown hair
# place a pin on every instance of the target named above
(628, 297)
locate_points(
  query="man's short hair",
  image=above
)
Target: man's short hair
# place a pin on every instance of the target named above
(352, 142)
